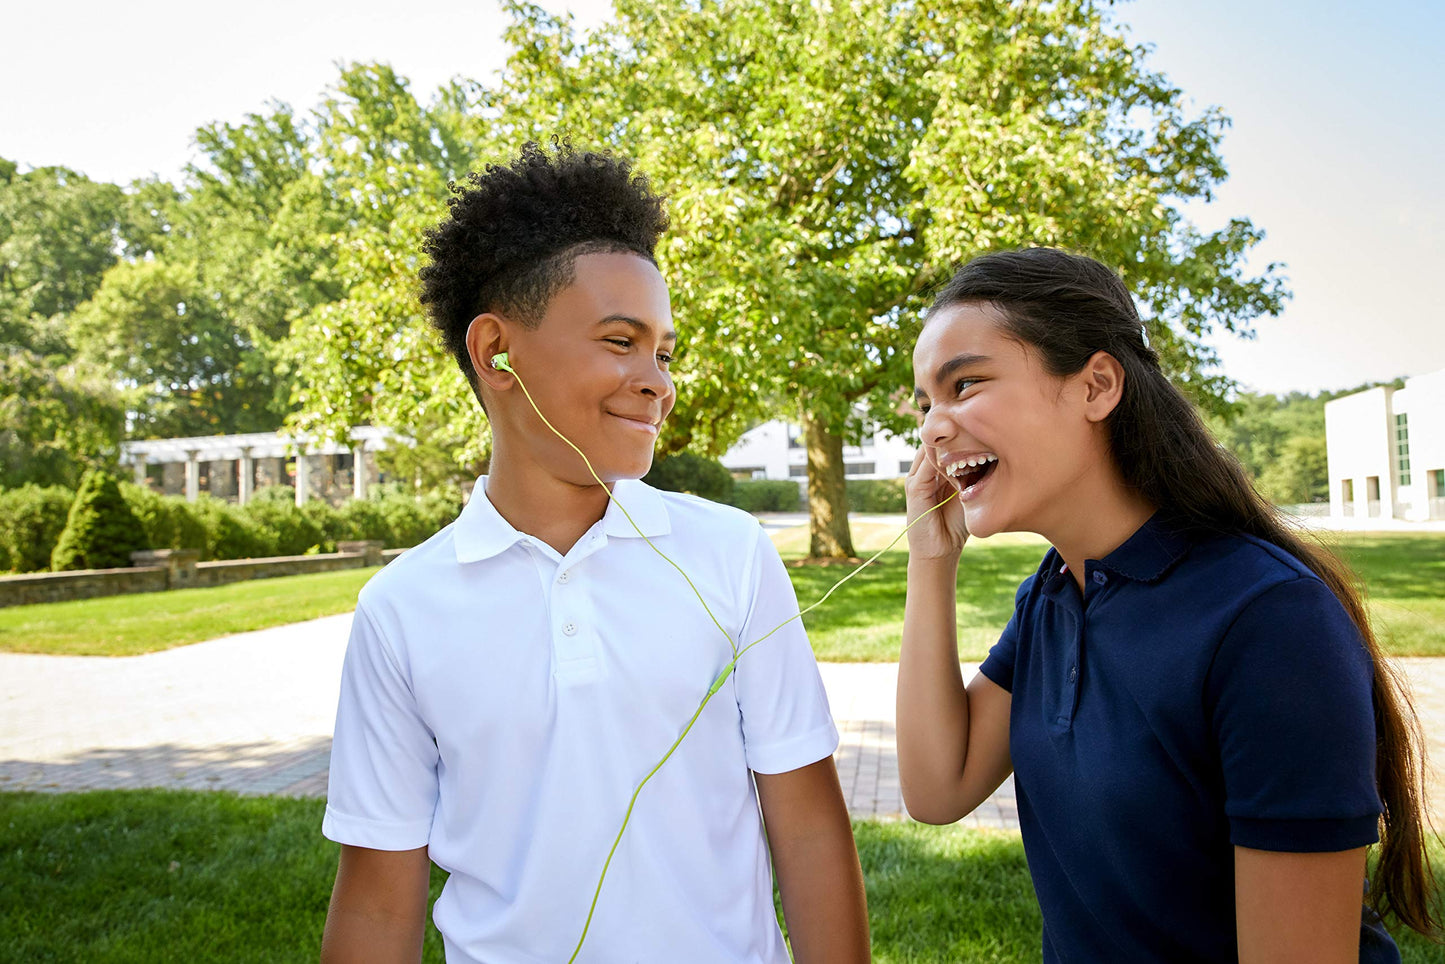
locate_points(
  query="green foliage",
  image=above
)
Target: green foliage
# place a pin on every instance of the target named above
(826, 163)
(31, 520)
(876, 495)
(56, 419)
(1300, 473)
(101, 531)
(686, 472)
(285, 529)
(230, 532)
(767, 495)
(366, 519)
(169, 521)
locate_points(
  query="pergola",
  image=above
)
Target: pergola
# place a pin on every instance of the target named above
(246, 449)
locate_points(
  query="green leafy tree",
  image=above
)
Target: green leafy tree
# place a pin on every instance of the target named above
(827, 163)
(56, 419)
(1299, 473)
(32, 518)
(101, 531)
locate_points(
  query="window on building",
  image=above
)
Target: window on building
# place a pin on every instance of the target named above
(905, 466)
(1438, 478)
(748, 472)
(794, 442)
(1347, 491)
(858, 468)
(1402, 447)
(797, 471)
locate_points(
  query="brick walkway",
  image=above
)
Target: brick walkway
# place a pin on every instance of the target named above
(253, 714)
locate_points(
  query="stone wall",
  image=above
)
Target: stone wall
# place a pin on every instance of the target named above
(157, 570)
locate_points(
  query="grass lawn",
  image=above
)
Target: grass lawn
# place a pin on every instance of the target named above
(152, 875)
(1403, 574)
(146, 622)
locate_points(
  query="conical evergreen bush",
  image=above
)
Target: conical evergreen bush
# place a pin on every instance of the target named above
(101, 531)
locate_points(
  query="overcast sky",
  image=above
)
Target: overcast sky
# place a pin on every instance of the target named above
(1336, 148)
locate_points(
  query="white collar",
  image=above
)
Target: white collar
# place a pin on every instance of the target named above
(481, 532)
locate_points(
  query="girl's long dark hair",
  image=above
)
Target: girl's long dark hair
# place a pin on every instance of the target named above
(1068, 307)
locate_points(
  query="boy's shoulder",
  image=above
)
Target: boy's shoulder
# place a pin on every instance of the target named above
(690, 515)
(420, 566)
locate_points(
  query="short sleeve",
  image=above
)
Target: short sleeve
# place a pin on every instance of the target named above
(999, 666)
(383, 785)
(1290, 697)
(784, 708)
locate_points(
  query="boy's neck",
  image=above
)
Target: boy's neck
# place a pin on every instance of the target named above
(545, 507)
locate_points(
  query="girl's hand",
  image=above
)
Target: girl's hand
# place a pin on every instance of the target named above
(941, 536)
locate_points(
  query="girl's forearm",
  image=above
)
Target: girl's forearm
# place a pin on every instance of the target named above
(933, 714)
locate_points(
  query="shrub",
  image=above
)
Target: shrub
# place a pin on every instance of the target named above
(230, 532)
(31, 520)
(693, 474)
(767, 495)
(876, 495)
(328, 520)
(101, 531)
(169, 521)
(366, 519)
(283, 526)
(411, 520)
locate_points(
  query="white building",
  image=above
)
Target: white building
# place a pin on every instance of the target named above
(1386, 450)
(775, 450)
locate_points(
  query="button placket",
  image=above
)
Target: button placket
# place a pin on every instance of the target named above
(574, 637)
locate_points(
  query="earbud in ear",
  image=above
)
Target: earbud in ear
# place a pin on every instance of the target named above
(499, 362)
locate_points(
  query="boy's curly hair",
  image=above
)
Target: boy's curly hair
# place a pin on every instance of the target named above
(513, 233)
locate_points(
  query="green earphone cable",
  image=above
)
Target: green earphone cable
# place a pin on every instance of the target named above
(502, 363)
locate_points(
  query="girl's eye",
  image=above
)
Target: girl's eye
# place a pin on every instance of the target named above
(620, 342)
(923, 409)
(963, 385)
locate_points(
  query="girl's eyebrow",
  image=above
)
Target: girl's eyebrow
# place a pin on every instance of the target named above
(948, 368)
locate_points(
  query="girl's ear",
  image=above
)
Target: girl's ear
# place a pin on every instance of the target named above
(486, 338)
(1103, 383)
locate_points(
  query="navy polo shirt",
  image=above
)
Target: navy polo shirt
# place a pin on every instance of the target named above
(1198, 694)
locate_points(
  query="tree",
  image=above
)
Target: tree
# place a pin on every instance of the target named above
(101, 531)
(55, 420)
(827, 163)
(1300, 473)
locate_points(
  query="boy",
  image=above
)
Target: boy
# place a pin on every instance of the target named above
(509, 682)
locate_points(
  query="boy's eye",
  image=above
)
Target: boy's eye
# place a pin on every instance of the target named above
(665, 358)
(923, 409)
(621, 342)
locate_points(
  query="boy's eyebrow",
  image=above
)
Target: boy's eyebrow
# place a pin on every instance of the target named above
(641, 327)
(948, 368)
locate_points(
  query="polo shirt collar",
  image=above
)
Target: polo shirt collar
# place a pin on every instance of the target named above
(1149, 553)
(482, 533)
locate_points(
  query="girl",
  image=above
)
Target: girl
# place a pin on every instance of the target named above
(1204, 735)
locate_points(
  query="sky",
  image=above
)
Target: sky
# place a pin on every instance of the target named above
(1335, 150)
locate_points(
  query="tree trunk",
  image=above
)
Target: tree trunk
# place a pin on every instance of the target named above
(830, 537)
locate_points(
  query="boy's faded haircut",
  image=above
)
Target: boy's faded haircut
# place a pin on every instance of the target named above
(513, 233)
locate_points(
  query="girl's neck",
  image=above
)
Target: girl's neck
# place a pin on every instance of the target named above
(1101, 516)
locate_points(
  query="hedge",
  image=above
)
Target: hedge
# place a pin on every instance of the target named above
(767, 495)
(876, 495)
(693, 474)
(31, 520)
(270, 524)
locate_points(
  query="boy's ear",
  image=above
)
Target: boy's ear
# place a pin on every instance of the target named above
(486, 338)
(1103, 383)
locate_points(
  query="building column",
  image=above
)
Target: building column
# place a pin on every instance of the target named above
(139, 466)
(300, 474)
(247, 478)
(358, 471)
(193, 475)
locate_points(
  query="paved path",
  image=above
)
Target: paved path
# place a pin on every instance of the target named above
(253, 713)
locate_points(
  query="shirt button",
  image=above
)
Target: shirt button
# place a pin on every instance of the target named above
(563, 577)
(569, 629)
(1099, 577)
(1073, 673)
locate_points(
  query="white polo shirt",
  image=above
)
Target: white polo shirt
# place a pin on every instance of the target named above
(500, 702)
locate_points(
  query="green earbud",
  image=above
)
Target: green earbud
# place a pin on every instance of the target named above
(500, 363)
